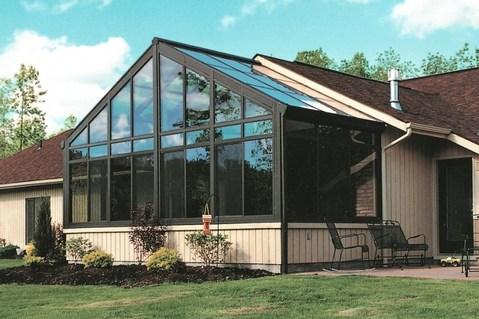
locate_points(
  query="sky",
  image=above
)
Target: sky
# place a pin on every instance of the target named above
(81, 47)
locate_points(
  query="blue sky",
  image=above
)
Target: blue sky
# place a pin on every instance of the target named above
(60, 33)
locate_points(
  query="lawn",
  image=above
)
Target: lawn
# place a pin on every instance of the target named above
(279, 297)
(7, 263)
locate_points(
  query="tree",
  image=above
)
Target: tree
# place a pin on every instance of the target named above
(390, 59)
(43, 237)
(358, 65)
(69, 123)
(5, 118)
(316, 57)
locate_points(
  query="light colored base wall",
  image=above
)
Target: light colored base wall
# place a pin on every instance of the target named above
(13, 212)
(253, 244)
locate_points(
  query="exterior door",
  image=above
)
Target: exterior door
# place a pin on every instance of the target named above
(455, 204)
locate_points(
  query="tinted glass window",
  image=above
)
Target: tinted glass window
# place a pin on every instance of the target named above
(120, 148)
(98, 189)
(120, 188)
(34, 206)
(143, 180)
(143, 100)
(258, 177)
(227, 104)
(196, 137)
(99, 127)
(197, 180)
(79, 192)
(197, 99)
(228, 132)
(252, 109)
(78, 153)
(258, 128)
(145, 144)
(172, 140)
(171, 78)
(228, 179)
(120, 113)
(81, 139)
(98, 151)
(173, 185)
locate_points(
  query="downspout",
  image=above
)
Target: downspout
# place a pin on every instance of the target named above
(400, 139)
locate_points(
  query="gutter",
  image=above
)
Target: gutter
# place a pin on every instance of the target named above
(32, 183)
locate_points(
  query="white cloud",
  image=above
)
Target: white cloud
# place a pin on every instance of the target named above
(75, 76)
(421, 17)
(61, 6)
(250, 7)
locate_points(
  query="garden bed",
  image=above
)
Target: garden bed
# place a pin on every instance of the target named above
(123, 275)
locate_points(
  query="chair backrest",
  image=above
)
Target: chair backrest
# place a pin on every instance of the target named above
(398, 238)
(388, 234)
(380, 236)
(333, 231)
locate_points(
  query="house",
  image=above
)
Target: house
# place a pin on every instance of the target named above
(27, 178)
(275, 148)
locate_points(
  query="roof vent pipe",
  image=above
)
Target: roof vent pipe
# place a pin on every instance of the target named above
(393, 78)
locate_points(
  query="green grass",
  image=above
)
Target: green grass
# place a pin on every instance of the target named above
(8, 263)
(275, 297)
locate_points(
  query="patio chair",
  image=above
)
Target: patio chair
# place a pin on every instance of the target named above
(338, 244)
(389, 235)
(466, 259)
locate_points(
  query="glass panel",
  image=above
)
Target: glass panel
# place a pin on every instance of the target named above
(81, 139)
(227, 132)
(120, 148)
(196, 137)
(227, 104)
(98, 151)
(251, 109)
(197, 180)
(197, 99)
(258, 128)
(173, 185)
(143, 100)
(258, 177)
(171, 75)
(172, 140)
(143, 180)
(229, 179)
(202, 57)
(78, 192)
(78, 153)
(120, 113)
(99, 127)
(145, 144)
(98, 189)
(120, 188)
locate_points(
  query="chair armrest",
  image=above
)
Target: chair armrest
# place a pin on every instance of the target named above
(417, 236)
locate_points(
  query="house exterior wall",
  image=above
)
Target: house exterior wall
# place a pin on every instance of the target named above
(13, 211)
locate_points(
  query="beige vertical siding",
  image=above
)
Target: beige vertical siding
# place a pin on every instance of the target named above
(12, 210)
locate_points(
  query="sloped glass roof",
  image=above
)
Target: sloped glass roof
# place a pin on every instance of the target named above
(244, 72)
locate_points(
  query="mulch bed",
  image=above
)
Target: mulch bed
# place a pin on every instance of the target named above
(123, 275)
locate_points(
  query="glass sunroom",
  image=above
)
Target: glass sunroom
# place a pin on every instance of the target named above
(186, 126)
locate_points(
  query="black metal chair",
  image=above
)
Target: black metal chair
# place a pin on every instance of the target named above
(389, 235)
(338, 244)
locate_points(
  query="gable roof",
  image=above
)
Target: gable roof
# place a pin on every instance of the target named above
(35, 163)
(441, 107)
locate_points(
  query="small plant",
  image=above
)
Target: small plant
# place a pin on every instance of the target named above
(146, 234)
(98, 259)
(78, 247)
(3, 242)
(163, 259)
(210, 249)
(8, 251)
(58, 254)
(31, 259)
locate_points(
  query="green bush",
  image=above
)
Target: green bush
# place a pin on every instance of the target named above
(43, 236)
(211, 249)
(78, 247)
(163, 259)
(9, 251)
(98, 259)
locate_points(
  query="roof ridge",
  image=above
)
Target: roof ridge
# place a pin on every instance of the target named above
(442, 74)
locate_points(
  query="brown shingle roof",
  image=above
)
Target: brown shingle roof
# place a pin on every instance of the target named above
(446, 107)
(34, 163)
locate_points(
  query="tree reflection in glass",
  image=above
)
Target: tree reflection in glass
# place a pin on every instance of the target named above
(227, 104)
(197, 180)
(197, 99)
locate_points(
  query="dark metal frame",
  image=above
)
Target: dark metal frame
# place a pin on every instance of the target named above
(26, 212)
(338, 244)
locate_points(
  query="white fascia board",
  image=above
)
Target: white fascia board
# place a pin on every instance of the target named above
(32, 183)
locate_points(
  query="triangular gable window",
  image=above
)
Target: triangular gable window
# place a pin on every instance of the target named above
(81, 139)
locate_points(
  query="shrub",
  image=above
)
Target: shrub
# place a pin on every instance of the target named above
(210, 249)
(43, 236)
(58, 254)
(33, 260)
(9, 251)
(163, 259)
(98, 259)
(146, 234)
(3, 242)
(30, 249)
(78, 247)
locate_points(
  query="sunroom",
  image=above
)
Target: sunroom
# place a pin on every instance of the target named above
(186, 127)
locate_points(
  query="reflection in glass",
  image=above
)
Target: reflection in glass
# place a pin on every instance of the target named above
(227, 104)
(120, 113)
(143, 175)
(81, 139)
(196, 137)
(172, 185)
(228, 179)
(98, 190)
(227, 132)
(120, 148)
(143, 100)
(197, 180)
(120, 202)
(251, 109)
(78, 153)
(172, 140)
(258, 128)
(197, 99)
(258, 177)
(79, 192)
(145, 144)
(98, 151)
(99, 127)
(171, 77)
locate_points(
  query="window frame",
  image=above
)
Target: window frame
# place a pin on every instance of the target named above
(27, 223)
